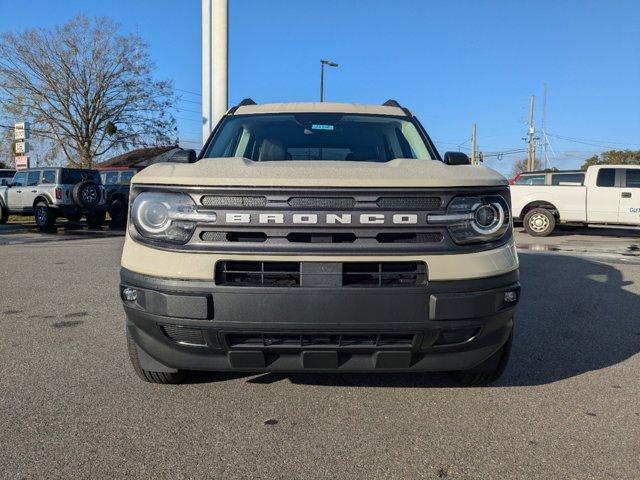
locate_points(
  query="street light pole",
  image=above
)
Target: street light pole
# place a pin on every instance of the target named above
(322, 64)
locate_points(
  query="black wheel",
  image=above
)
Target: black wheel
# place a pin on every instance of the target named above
(479, 377)
(4, 215)
(45, 216)
(86, 194)
(118, 213)
(74, 217)
(95, 219)
(146, 375)
(539, 222)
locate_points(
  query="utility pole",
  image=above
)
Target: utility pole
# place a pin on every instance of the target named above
(531, 150)
(215, 60)
(544, 127)
(322, 64)
(474, 146)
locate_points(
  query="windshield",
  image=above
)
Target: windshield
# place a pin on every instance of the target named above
(318, 136)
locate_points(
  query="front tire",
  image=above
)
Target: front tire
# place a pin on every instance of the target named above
(95, 219)
(45, 217)
(539, 222)
(118, 213)
(483, 378)
(147, 375)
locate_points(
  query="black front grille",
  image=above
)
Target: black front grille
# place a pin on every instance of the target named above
(410, 237)
(258, 274)
(383, 274)
(233, 236)
(332, 340)
(184, 336)
(321, 237)
(348, 274)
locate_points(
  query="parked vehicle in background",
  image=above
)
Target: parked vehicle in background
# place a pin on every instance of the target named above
(604, 194)
(49, 193)
(116, 185)
(6, 174)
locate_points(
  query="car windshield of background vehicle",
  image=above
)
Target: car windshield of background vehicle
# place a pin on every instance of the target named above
(530, 180)
(322, 136)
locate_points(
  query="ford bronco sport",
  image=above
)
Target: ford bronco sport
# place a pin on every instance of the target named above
(49, 193)
(319, 237)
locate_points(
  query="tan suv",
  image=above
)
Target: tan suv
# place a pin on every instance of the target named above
(320, 237)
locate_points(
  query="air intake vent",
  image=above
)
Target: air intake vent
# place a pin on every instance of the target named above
(322, 202)
(412, 203)
(333, 340)
(218, 201)
(301, 237)
(258, 274)
(259, 237)
(184, 336)
(383, 274)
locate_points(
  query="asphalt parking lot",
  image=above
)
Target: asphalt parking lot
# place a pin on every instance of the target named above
(71, 406)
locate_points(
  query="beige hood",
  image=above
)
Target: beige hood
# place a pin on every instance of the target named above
(242, 172)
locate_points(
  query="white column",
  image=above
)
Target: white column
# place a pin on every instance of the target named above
(215, 56)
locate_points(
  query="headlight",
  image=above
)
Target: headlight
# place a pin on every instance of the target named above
(475, 219)
(166, 217)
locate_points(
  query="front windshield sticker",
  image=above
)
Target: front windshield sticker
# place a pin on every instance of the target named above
(321, 127)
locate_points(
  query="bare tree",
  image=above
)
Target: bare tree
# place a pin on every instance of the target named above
(87, 87)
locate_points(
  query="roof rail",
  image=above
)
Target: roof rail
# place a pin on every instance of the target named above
(391, 103)
(245, 101)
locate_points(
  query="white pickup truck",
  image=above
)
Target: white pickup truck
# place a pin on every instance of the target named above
(605, 194)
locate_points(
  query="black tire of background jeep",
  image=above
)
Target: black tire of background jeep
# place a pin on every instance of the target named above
(118, 213)
(45, 216)
(95, 218)
(4, 214)
(483, 378)
(146, 375)
(86, 194)
(539, 222)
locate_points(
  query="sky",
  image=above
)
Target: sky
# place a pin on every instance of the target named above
(452, 63)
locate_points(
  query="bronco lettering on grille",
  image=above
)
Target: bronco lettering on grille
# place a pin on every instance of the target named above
(325, 218)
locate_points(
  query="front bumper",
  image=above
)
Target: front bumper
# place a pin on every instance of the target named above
(197, 325)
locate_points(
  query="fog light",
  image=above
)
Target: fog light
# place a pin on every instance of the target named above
(130, 294)
(510, 297)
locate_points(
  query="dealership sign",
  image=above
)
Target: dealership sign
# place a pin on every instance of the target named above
(20, 146)
(22, 162)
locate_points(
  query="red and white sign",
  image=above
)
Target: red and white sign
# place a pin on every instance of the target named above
(22, 162)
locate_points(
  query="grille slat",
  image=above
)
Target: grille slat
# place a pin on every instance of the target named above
(233, 201)
(184, 336)
(322, 202)
(429, 203)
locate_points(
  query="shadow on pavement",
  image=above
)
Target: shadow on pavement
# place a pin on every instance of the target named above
(575, 316)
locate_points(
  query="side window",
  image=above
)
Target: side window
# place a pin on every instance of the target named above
(530, 180)
(20, 179)
(125, 177)
(48, 177)
(567, 178)
(111, 178)
(33, 178)
(606, 177)
(633, 178)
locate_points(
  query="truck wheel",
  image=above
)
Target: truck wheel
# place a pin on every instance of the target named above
(95, 219)
(86, 194)
(479, 377)
(45, 217)
(146, 375)
(4, 215)
(539, 222)
(118, 213)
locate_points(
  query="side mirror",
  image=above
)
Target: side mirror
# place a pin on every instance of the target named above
(183, 156)
(456, 158)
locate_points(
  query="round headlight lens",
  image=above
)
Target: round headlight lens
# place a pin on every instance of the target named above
(154, 215)
(164, 216)
(485, 216)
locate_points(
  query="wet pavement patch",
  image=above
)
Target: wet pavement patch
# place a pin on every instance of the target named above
(11, 312)
(67, 324)
(76, 314)
(271, 421)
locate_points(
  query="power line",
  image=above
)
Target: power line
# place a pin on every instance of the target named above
(188, 91)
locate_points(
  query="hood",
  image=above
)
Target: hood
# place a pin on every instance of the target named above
(400, 172)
